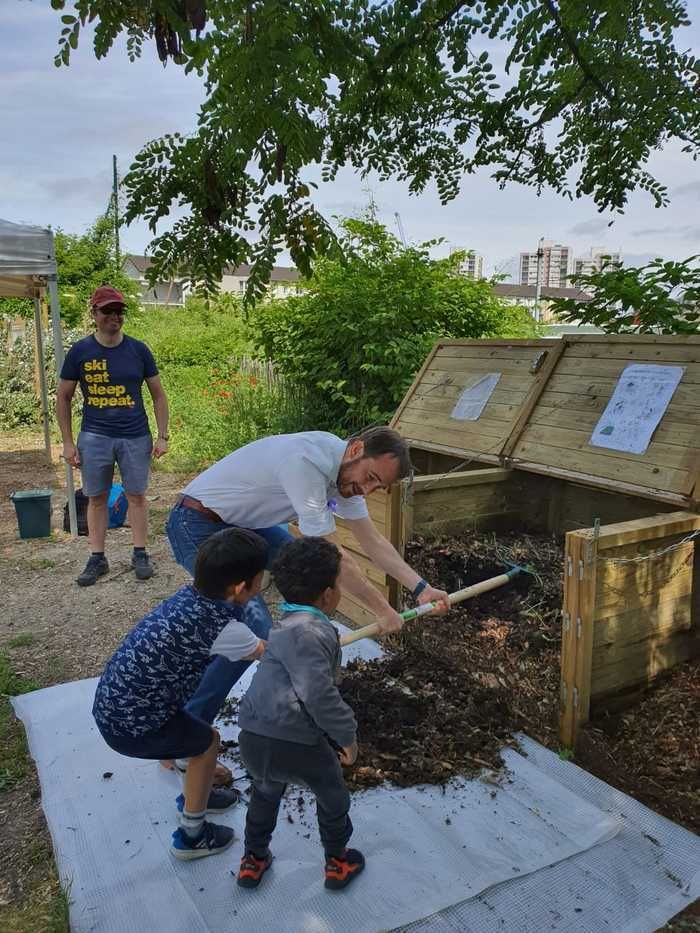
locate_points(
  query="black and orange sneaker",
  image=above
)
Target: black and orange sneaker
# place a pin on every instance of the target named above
(252, 869)
(341, 871)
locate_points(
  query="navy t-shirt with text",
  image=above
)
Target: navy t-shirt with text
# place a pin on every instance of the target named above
(110, 379)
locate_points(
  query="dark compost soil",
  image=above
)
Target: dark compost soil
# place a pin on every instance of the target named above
(453, 691)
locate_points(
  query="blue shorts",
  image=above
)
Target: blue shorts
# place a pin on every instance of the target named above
(183, 736)
(98, 454)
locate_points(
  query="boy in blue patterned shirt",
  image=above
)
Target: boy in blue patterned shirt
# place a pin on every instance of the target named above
(140, 700)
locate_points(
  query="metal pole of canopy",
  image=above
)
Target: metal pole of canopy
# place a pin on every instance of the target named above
(41, 365)
(58, 352)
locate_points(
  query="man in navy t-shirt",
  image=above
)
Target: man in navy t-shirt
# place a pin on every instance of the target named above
(111, 367)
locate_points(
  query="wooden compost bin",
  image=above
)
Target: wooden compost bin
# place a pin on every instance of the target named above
(526, 464)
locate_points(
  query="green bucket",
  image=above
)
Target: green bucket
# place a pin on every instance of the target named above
(33, 507)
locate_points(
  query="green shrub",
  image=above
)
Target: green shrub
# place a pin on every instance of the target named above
(20, 407)
(197, 334)
(216, 409)
(354, 341)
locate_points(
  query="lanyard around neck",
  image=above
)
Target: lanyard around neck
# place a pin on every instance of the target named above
(299, 607)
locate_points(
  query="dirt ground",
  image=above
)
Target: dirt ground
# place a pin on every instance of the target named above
(52, 632)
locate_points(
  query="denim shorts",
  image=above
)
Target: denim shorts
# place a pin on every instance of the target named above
(187, 530)
(98, 454)
(183, 736)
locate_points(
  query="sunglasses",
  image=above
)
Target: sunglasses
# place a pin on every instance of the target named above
(119, 312)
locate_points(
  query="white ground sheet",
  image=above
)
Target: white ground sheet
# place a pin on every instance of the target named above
(428, 853)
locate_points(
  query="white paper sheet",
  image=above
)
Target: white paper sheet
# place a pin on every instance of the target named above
(641, 397)
(426, 848)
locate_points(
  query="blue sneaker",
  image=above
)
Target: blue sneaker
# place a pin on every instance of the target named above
(220, 799)
(212, 840)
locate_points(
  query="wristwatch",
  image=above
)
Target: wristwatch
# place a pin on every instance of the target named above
(420, 586)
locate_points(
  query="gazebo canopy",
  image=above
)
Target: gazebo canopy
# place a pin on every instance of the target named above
(26, 260)
(28, 270)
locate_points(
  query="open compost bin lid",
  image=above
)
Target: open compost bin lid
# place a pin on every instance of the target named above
(470, 395)
(638, 394)
(621, 413)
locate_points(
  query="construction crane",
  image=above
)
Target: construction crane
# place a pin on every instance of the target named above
(400, 226)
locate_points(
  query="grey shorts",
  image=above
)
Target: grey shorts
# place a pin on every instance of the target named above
(98, 454)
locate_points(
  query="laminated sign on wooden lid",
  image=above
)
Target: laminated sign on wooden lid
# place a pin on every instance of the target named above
(622, 413)
(470, 395)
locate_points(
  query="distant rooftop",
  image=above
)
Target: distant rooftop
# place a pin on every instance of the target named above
(529, 291)
(278, 274)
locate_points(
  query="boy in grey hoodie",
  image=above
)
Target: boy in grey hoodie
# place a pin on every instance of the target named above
(295, 726)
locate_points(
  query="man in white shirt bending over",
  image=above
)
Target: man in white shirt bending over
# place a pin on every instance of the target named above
(311, 478)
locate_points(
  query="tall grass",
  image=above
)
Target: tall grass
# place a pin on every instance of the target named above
(216, 409)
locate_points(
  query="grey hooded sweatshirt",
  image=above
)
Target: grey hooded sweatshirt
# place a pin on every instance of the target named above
(293, 694)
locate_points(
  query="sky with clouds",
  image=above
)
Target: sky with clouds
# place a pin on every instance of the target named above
(59, 128)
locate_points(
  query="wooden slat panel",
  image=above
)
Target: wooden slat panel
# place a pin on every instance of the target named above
(457, 381)
(483, 350)
(653, 528)
(616, 486)
(617, 632)
(675, 456)
(516, 364)
(572, 403)
(428, 405)
(659, 353)
(481, 448)
(616, 597)
(685, 396)
(471, 478)
(568, 724)
(377, 506)
(579, 506)
(642, 583)
(453, 430)
(587, 570)
(667, 433)
(614, 340)
(638, 474)
(443, 504)
(643, 662)
(583, 367)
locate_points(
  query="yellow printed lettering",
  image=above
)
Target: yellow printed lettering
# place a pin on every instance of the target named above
(89, 378)
(112, 402)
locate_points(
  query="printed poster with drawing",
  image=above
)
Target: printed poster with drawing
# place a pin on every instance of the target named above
(473, 398)
(641, 397)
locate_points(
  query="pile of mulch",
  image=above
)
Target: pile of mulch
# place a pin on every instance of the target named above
(452, 691)
(652, 750)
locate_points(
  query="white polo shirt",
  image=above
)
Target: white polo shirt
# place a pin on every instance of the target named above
(278, 479)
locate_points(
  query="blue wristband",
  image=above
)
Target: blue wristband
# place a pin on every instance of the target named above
(419, 588)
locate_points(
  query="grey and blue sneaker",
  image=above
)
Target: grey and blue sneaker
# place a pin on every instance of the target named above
(212, 840)
(220, 799)
(141, 565)
(95, 568)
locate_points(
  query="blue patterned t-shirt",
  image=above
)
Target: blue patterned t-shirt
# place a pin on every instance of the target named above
(159, 664)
